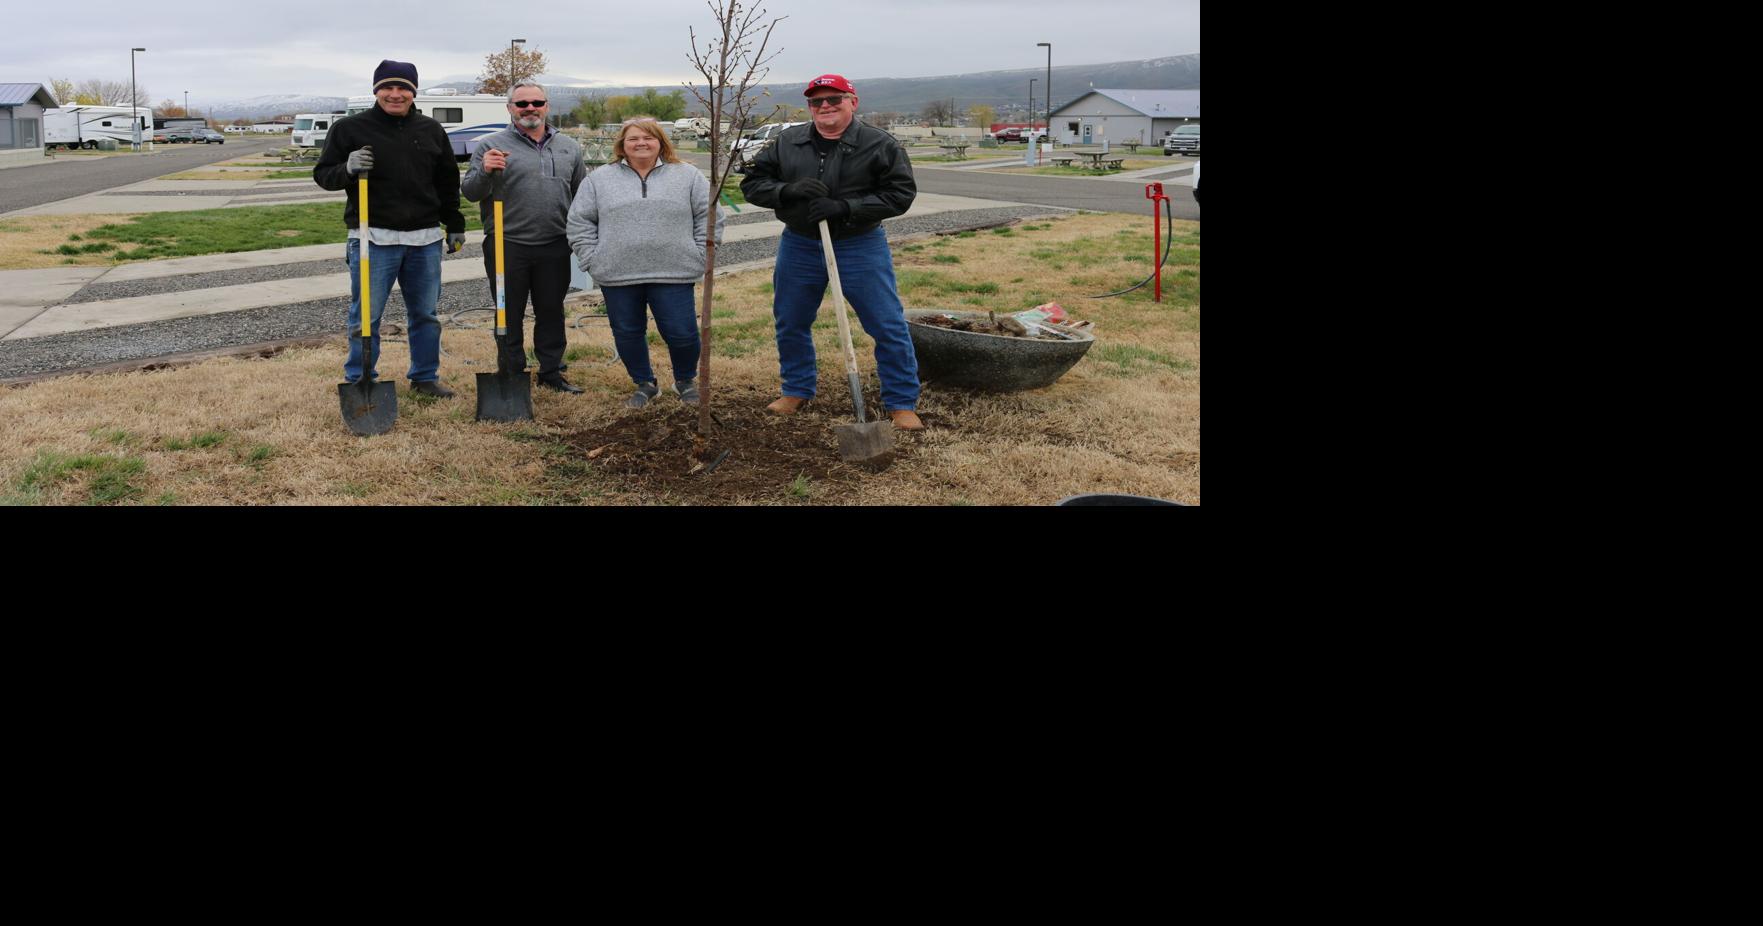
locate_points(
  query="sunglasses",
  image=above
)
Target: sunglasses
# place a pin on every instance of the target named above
(826, 102)
(535, 104)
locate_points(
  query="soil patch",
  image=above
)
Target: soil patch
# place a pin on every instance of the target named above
(771, 458)
(992, 324)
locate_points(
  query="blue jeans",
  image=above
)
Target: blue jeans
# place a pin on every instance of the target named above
(418, 272)
(675, 317)
(866, 270)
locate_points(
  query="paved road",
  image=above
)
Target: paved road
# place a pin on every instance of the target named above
(73, 175)
(1070, 192)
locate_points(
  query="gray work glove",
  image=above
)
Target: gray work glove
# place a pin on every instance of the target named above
(803, 190)
(455, 242)
(361, 159)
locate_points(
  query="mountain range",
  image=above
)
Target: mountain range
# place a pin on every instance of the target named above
(1005, 91)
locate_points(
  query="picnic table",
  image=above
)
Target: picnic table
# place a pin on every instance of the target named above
(1096, 160)
(957, 149)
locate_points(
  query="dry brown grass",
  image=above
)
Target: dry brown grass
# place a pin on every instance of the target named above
(1126, 419)
(22, 237)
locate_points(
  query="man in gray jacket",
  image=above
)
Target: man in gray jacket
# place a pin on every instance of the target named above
(543, 169)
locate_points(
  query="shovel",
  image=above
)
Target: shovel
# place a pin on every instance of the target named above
(505, 395)
(866, 442)
(368, 407)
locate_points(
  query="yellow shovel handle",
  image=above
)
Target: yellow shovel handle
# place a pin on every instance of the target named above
(366, 291)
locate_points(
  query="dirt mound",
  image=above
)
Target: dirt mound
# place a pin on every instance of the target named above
(767, 458)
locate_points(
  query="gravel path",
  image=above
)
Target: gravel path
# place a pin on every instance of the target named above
(77, 350)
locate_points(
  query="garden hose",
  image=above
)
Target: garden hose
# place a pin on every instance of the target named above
(1168, 242)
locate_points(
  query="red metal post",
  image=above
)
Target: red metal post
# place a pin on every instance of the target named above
(1154, 193)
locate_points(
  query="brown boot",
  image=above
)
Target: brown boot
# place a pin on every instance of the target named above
(906, 420)
(788, 405)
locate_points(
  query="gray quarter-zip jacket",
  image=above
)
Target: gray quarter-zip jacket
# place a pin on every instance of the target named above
(536, 194)
(626, 230)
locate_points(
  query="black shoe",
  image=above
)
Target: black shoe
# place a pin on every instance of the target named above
(433, 387)
(557, 382)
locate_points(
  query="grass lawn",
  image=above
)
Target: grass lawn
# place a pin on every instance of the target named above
(266, 431)
(156, 235)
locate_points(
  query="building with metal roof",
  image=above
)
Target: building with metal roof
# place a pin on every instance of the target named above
(21, 122)
(1117, 116)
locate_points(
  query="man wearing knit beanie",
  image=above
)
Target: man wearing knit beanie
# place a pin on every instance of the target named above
(413, 189)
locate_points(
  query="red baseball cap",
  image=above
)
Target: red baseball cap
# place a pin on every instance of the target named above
(834, 81)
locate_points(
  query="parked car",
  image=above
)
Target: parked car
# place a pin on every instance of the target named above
(179, 136)
(208, 137)
(161, 136)
(1185, 139)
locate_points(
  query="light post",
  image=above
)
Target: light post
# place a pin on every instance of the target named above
(186, 104)
(1049, 87)
(134, 104)
(512, 51)
(1031, 107)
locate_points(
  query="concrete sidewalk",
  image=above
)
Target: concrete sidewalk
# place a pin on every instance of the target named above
(31, 301)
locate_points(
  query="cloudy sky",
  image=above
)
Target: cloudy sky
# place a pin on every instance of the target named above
(223, 51)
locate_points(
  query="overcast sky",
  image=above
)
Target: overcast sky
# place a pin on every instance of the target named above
(223, 51)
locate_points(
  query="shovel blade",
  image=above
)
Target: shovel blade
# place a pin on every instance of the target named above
(504, 397)
(870, 444)
(368, 407)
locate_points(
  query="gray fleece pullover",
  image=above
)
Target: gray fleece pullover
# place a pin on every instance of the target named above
(627, 230)
(536, 193)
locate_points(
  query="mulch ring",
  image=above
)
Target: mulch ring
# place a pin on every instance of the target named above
(650, 453)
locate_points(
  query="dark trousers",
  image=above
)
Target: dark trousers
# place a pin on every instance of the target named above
(541, 271)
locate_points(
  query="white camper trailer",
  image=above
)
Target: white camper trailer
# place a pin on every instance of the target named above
(466, 117)
(311, 128)
(81, 126)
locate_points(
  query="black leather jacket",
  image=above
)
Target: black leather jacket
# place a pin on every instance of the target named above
(867, 169)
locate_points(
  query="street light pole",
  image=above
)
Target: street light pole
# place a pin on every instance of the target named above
(134, 105)
(1049, 87)
(186, 104)
(1031, 108)
(511, 53)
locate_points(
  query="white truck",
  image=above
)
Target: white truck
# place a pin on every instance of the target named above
(1185, 139)
(81, 126)
(467, 117)
(311, 128)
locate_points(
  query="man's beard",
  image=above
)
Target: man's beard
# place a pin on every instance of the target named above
(529, 122)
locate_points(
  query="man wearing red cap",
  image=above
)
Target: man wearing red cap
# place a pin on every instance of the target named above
(853, 176)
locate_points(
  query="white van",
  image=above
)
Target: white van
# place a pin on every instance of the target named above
(311, 128)
(467, 117)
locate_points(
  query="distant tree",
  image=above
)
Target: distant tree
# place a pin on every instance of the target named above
(109, 93)
(796, 114)
(664, 108)
(497, 69)
(167, 109)
(618, 108)
(591, 111)
(937, 112)
(982, 115)
(63, 90)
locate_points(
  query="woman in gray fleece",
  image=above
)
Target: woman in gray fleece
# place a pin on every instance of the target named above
(637, 226)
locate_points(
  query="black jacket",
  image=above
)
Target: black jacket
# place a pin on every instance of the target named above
(867, 169)
(414, 183)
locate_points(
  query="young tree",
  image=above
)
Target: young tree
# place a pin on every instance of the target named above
(497, 75)
(167, 109)
(618, 108)
(982, 115)
(937, 112)
(732, 62)
(63, 90)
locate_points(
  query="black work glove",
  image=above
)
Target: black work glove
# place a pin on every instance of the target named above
(832, 210)
(803, 190)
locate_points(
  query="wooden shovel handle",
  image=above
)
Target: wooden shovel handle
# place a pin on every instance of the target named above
(832, 274)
